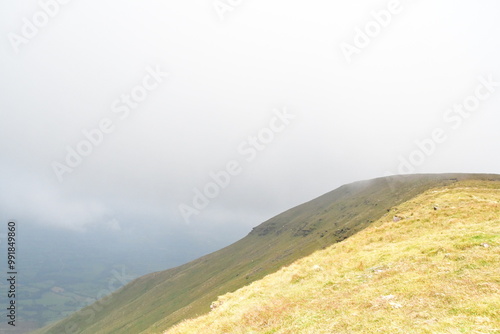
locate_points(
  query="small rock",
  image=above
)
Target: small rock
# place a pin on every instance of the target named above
(215, 304)
(388, 297)
(485, 245)
(379, 269)
(396, 219)
(317, 268)
(395, 305)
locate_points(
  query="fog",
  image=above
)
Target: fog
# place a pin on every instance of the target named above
(209, 117)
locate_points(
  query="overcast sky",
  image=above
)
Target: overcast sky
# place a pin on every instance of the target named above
(290, 99)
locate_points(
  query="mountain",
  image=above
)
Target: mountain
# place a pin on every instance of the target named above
(157, 301)
(430, 266)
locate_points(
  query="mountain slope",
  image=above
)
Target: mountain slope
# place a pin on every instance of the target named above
(437, 270)
(159, 300)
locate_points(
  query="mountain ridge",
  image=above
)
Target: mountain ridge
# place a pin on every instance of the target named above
(431, 265)
(160, 300)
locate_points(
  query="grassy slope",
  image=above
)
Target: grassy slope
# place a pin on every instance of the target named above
(435, 271)
(160, 300)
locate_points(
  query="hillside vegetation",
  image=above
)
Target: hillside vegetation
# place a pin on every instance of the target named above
(155, 302)
(430, 265)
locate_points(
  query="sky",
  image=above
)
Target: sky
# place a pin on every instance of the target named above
(211, 116)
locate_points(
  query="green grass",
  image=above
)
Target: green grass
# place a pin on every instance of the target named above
(159, 300)
(428, 273)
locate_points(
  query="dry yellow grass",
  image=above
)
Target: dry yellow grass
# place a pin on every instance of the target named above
(434, 271)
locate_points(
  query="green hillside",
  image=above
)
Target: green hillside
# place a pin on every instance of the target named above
(157, 301)
(433, 269)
